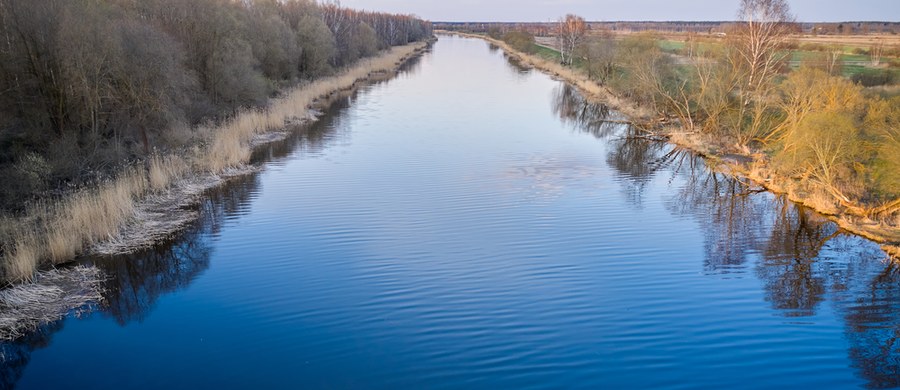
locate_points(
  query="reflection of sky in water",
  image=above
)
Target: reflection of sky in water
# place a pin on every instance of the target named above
(549, 177)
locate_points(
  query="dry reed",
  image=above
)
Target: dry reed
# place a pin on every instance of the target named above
(49, 297)
(55, 233)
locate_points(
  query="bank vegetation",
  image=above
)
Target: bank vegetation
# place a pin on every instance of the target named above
(809, 131)
(106, 102)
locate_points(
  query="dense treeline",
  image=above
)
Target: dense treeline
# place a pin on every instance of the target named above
(833, 142)
(88, 85)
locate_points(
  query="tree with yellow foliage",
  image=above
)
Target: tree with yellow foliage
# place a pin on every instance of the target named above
(820, 137)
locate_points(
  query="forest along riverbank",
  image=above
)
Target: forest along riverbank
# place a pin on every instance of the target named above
(151, 206)
(90, 126)
(753, 167)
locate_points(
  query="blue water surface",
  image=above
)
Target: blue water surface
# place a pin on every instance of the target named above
(476, 224)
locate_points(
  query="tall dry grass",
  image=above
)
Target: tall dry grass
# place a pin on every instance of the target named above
(56, 232)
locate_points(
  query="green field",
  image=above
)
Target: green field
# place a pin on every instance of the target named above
(854, 65)
(547, 53)
(802, 55)
(670, 46)
(554, 55)
(851, 67)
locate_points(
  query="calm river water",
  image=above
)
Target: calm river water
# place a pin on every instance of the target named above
(474, 224)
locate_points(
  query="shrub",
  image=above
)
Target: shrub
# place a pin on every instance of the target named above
(520, 40)
(875, 77)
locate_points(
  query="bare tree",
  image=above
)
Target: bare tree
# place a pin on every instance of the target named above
(570, 33)
(765, 28)
(834, 54)
(877, 51)
(756, 57)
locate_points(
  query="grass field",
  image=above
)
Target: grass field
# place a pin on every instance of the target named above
(853, 65)
(671, 46)
(547, 53)
(801, 55)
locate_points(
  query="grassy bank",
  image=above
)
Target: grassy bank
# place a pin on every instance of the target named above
(56, 232)
(881, 224)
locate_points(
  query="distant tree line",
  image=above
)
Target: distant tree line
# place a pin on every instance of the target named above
(86, 85)
(708, 27)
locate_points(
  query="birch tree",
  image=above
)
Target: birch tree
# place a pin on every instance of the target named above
(766, 25)
(876, 52)
(756, 58)
(570, 33)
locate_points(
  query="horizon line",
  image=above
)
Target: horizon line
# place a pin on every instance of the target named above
(659, 21)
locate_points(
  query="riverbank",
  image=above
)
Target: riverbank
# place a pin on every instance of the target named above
(148, 204)
(751, 166)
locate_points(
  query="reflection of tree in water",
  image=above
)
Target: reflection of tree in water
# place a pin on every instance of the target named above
(314, 138)
(731, 212)
(871, 310)
(586, 116)
(411, 67)
(633, 157)
(517, 66)
(637, 161)
(138, 280)
(794, 277)
(14, 356)
(520, 69)
(801, 258)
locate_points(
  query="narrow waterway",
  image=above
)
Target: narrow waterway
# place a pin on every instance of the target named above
(474, 224)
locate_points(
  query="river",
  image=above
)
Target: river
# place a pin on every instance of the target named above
(475, 224)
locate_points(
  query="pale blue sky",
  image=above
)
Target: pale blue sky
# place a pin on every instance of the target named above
(600, 10)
